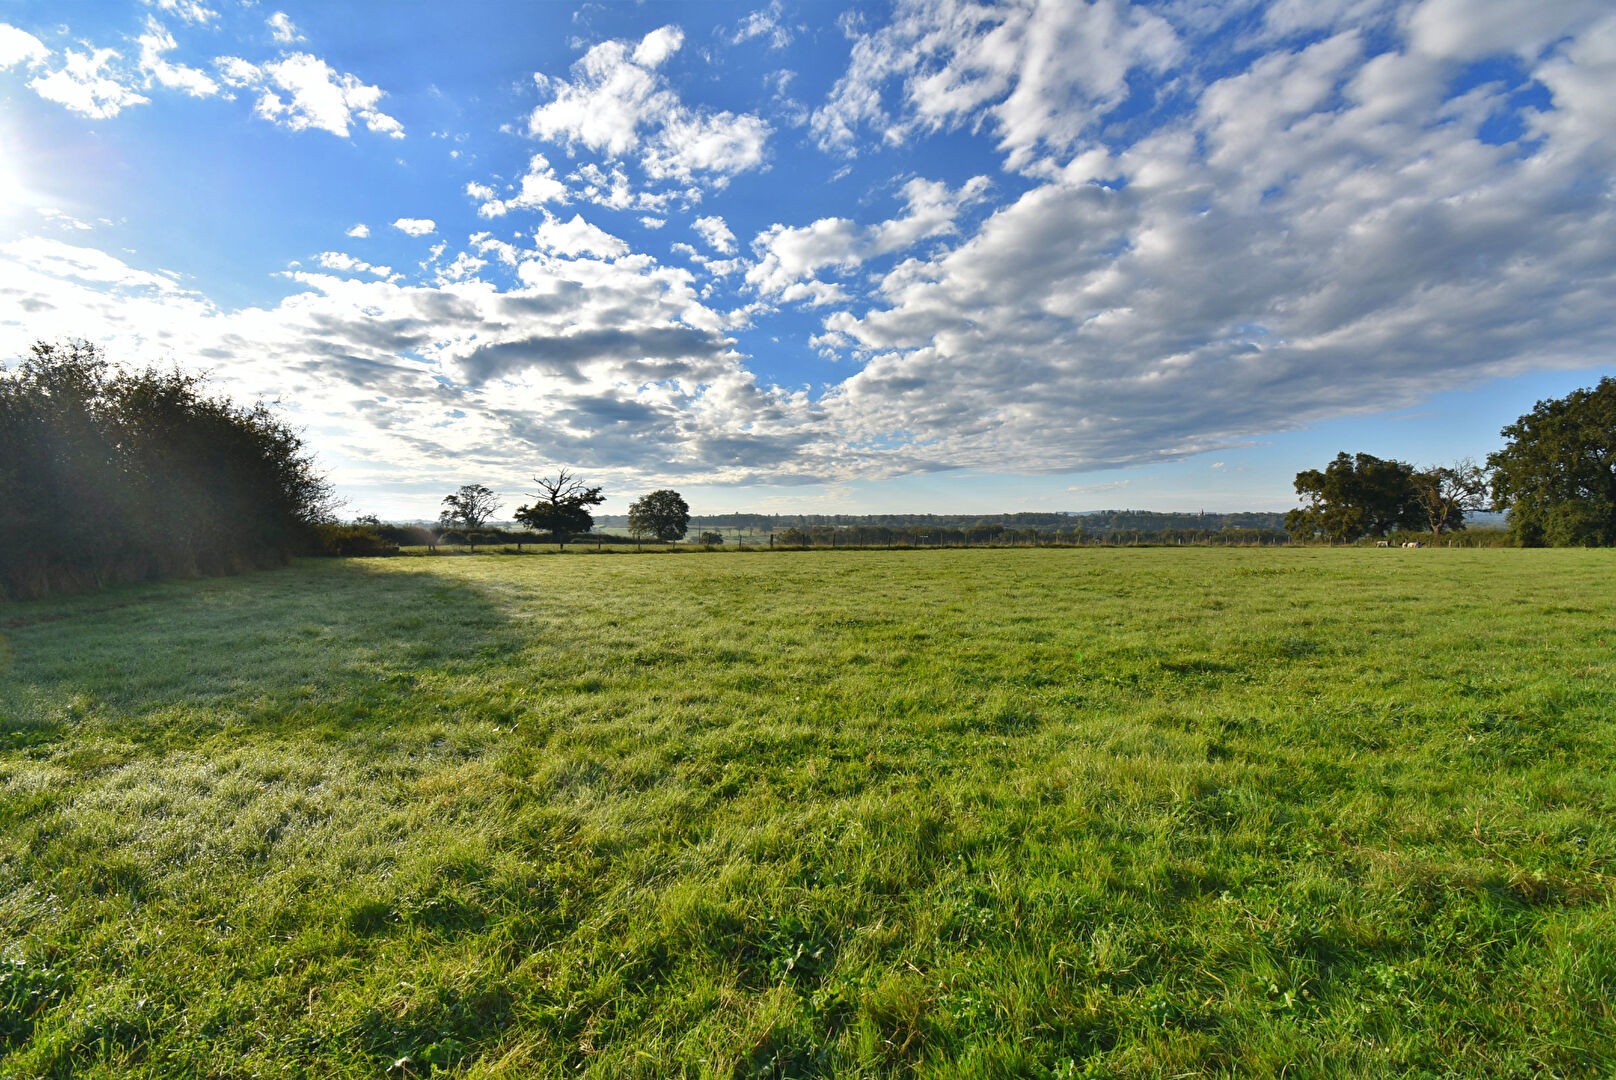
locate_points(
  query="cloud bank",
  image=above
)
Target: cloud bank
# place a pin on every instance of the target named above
(1223, 221)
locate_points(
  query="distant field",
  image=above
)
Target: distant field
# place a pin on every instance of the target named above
(1047, 813)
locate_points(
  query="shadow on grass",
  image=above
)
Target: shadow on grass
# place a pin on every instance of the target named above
(335, 644)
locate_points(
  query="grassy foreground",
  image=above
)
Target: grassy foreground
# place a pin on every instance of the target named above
(942, 813)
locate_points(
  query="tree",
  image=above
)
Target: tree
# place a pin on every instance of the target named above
(1446, 493)
(110, 476)
(1557, 474)
(468, 510)
(662, 514)
(561, 507)
(712, 539)
(1355, 496)
(470, 507)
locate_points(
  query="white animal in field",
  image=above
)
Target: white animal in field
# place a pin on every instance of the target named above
(1413, 543)
(1383, 543)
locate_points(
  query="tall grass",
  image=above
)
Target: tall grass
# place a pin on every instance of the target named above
(983, 813)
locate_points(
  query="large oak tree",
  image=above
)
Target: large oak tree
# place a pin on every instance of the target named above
(560, 508)
(1557, 474)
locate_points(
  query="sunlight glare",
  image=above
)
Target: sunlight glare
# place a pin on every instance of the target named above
(13, 193)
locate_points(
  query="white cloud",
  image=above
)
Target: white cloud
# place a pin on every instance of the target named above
(763, 24)
(486, 244)
(62, 219)
(337, 260)
(789, 259)
(717, 144)
(637, 377)
(464, 267)
(153, 44)
(612, 189)
(86, 84)
(1317, 228)
(716, 233)
(1472, 29)
(658, 45)
(191, 11)
(360, 231)
(1014, 61)
(88, 265)
(316, 95)
(1581, 78)
(20, 47)
(1096, 489)
(415, 226)
(282, 29)
(538, 186)
(617, 103)
(577, 237)
(1324, 233)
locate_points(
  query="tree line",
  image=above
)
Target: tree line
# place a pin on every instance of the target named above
(109, 476)
(560, 511)
(1555, 477)
(113, 476)
(1093, 524)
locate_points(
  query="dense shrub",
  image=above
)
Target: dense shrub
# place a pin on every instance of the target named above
(109, 476)
(350, 541)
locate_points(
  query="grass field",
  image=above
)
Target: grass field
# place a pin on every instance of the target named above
(1103, 812)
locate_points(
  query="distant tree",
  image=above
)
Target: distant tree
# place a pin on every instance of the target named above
(560, 508)
(1446, 493)
(470, 507)
(712, 539)
(660, 514)
(1557, 474)
(1355, 496)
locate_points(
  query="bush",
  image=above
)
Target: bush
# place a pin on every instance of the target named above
(110, 477)
(353, 541)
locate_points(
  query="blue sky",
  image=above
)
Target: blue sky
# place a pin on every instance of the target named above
(823, 256)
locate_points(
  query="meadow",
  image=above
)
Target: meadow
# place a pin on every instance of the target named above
(1044, 813)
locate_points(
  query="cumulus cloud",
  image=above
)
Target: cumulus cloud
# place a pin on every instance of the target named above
(88, 83)
(618, 103)
(612, 188)
(153, 44)
(20, 47)
(415, 226)
(538, 186)
(301, 91)
(790, 258)
(956, 61)
(577, 237)
(613, 365)
(361, 231)
(763, 24)
(717, 234)
(1472, 29)
(1330, 218)
(343, 262)
(1327, 231)
(282, 29)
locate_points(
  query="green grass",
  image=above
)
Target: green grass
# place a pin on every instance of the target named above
(942, 813)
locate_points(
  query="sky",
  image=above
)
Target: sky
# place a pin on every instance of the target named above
(826, 255)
